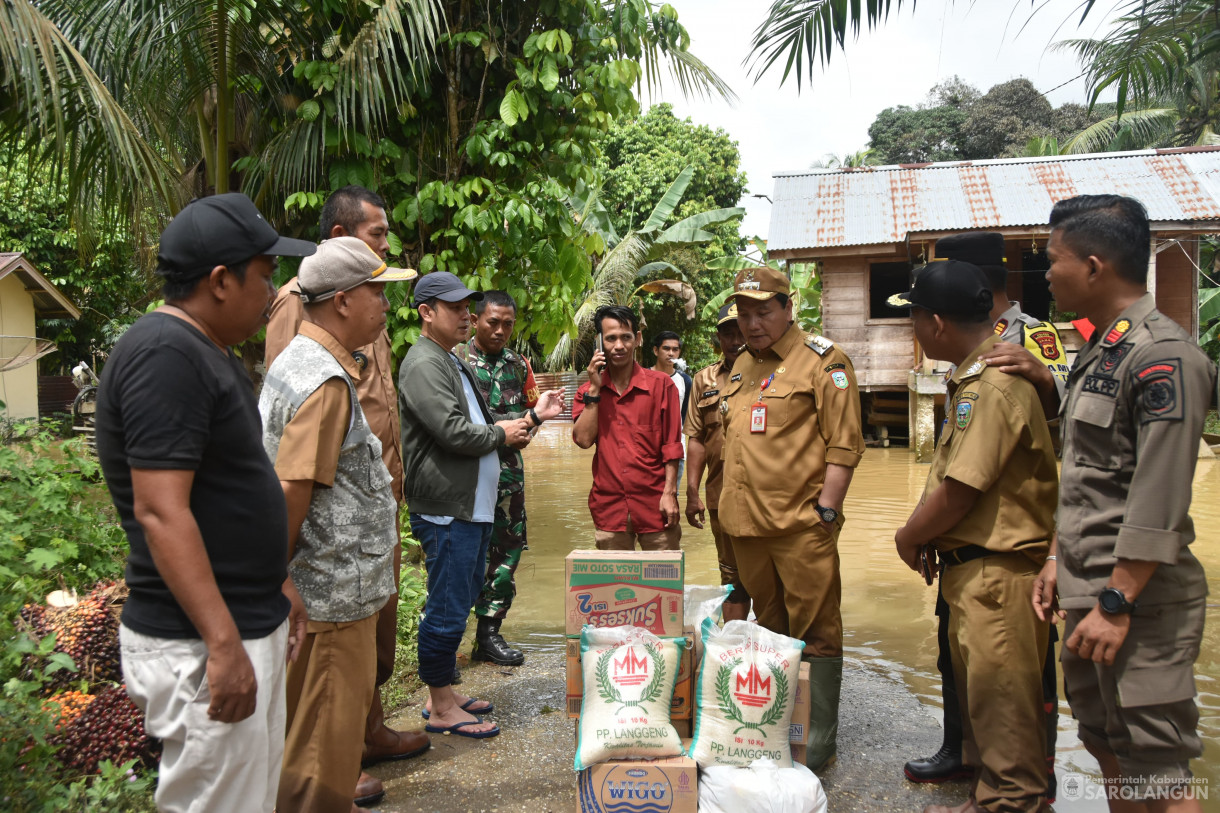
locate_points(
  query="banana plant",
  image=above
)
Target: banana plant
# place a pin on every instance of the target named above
(632, 256)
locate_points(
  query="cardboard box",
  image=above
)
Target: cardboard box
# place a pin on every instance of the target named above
(798, 729)
(624, 588)
(636, 785)
(682, 705)
(798, 752)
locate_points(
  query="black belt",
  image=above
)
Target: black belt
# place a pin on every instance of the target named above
(966, 553)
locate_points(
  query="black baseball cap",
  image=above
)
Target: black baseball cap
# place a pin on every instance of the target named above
(728, 313)
(949, 287)
(221, 230)
(443, 286)
(982, 248)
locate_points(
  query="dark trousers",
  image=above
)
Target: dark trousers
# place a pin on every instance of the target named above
(948, 684)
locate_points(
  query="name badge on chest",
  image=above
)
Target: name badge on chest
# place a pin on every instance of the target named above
(758, 412)
(758, 419)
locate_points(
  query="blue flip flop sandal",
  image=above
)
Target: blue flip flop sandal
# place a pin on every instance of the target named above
(459, 729)
(465, 707)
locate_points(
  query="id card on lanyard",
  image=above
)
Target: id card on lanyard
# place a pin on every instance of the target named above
(758, 412)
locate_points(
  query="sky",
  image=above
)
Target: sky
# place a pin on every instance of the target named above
(985, 42)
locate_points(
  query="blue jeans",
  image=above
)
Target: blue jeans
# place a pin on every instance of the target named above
(456, 558)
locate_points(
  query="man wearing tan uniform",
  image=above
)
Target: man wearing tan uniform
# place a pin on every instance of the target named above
(342, 514)
(704, 449)
(355, 211)
(792, 439)
(1031, 348)
(987, 510)
(1133, 592)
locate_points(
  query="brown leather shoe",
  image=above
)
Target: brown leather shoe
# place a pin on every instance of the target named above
(369, 790)
(390, 744)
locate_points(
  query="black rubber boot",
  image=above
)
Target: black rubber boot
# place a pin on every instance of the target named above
(946, 763)
(825, 683)
(489, 645)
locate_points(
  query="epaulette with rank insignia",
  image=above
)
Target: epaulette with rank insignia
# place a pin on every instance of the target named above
(819, 344)
(974, 369)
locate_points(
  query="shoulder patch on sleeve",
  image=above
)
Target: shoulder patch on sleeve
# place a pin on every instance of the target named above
(1159, 385)
(838, 365)
(963, 412)
(1046, 342)
(819, 344)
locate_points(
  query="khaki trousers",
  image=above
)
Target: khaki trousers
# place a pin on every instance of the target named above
(794, 582)
(330, 688)
(998, 648)
(625, 540)
(207, 765)
(727, 560)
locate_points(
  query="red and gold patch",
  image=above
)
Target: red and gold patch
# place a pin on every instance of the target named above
(1000, 327)
(1116, 332)
(1047, 343)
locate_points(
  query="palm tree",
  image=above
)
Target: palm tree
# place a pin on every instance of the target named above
(633, 256)
(851, 160)
(140, 103)
(803, 34)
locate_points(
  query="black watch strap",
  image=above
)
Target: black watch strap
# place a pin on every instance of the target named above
(827, 515)
(590, 399)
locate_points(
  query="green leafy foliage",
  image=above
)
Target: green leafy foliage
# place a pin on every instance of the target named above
(958, 123)
(478, 167)
(57, 526)
(96, 274)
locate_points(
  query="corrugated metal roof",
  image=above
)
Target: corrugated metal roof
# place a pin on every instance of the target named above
(826, 208)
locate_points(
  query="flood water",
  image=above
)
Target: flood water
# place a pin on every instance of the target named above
(888, 615)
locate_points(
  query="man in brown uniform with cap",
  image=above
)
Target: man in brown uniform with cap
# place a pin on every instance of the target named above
(355, 211)
(704, 449)
(1032, 348)
(792, 440)
(1133, 592)
(988, 510)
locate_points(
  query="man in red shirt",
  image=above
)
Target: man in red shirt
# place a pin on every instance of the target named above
(634, 417)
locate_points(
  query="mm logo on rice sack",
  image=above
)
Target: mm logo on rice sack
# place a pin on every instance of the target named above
(645, 615)
(752, 691)
(630, 670)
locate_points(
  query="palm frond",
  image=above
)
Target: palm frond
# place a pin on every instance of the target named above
(59, 112)
(372, 77)
(804, 33)
(1144, 128)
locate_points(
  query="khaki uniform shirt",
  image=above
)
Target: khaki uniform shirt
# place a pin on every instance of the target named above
(1131, 423)
(703, 424)
(378, 398)
(772, 480)
(1039, 338)
(996, 441)
(309, 447)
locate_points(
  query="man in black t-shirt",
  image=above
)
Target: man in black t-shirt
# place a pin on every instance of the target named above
(212, 614)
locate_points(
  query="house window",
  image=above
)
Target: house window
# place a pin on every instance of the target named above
(885, 280)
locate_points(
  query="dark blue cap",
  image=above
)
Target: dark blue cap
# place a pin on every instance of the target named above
(443, 286)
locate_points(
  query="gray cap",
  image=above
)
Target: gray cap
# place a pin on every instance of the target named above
(443, 286)
(342, 263)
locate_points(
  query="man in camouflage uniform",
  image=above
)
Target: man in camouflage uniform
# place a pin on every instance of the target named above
(507, 382)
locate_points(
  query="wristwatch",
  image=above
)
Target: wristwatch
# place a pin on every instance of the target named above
(1112, 602)
(828, 515)
(590, 399)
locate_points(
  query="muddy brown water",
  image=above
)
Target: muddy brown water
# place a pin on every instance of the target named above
(887, 611)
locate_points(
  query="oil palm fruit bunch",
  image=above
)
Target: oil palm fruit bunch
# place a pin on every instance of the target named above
(110, 727)
(66, 706)
(88, 633)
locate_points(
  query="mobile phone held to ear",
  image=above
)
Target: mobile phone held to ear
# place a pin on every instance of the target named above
(600, 348)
